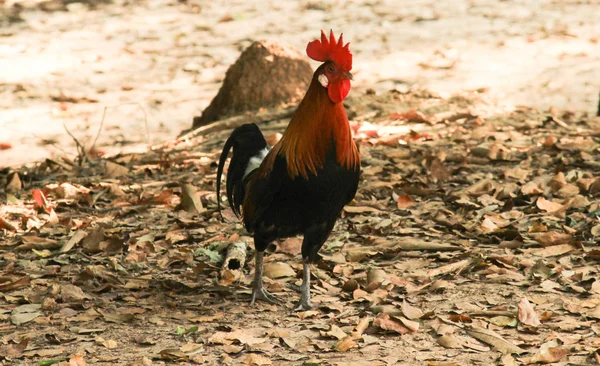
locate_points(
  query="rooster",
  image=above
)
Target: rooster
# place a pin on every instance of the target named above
(301, 185)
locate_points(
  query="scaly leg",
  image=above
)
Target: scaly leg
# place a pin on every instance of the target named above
(304, 303)
(258, 291)
(314, 238)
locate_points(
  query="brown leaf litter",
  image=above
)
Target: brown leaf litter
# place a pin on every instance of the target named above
(473, 239)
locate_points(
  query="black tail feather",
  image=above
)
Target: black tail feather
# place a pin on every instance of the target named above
(247, 141)
(222, 159)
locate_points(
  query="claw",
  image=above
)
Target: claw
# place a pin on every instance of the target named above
(293, 287)
(303, 304)
(259, 293)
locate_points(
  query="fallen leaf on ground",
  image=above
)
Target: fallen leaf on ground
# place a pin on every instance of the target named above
(449, 341)
(527, 313)
(254, 359)
(405, 201)
(549, 352)
(190, 199)
(384, 322)
(114, 170)
(548, 206)
(493, 339)
(276, 270)
(345, 344)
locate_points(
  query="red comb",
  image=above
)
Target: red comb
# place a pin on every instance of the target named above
(330, 50)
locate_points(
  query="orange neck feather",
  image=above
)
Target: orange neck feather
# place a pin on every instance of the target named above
(315, 126)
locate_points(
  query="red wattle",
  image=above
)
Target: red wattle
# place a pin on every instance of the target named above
(339, 90)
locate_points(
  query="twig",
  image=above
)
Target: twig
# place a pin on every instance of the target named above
(117, 106)
(80, 149)
(492, 313)
(101, 126)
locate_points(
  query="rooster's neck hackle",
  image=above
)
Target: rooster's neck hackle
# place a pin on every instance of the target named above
(318, 125)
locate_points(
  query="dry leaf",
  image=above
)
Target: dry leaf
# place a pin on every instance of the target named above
(449, 268)
(173, 355)
(438, 171)
(553, 238)
(345, 344)
(360, 328)
(40, 202)
(110, 343)
(531, 188)
(255, 359)
(376, 276)
(13, 183)
(72, 293)
(14, 350)
(548, 206)
(554, 250)
(7, 225)
(232, 348)
(504, 321)
(77, 360)
(384, 322)
(22, 318)
(74, 240)
(549, 352)
(411, 312)
(335, 332)
(527, 314)
(190, 199)
(508, 360)
(361, 209)
(276, 270)
(9, 286)
(449, 341)
(595, 231)
(493, 339)
(413, 326)
(405, 201)
(114, 170)
(91, 243)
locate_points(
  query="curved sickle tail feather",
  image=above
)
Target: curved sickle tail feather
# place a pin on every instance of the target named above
(249, 150)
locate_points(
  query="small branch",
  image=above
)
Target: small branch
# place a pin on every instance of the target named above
(117, 106)
(100, 128)
(492, 313)
(81, 153)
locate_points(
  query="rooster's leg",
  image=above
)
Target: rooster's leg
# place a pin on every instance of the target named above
(304, 303)
(258, 290)
(314, 238)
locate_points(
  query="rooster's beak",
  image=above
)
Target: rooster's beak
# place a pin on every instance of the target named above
(348, 76)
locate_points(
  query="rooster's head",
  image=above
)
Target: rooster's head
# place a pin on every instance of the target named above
(334, 74)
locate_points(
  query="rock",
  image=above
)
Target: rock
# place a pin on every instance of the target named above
(265, 75)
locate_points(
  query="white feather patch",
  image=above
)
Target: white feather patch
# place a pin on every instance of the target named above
(323, 80)
(255, 161)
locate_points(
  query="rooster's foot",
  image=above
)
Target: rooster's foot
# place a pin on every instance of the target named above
(303, 304)
(262, 294)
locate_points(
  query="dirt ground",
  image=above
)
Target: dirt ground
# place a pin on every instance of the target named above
(473, 239)
(156, 64)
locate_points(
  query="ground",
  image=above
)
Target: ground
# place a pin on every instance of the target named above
(473, 238)
(156, 64)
